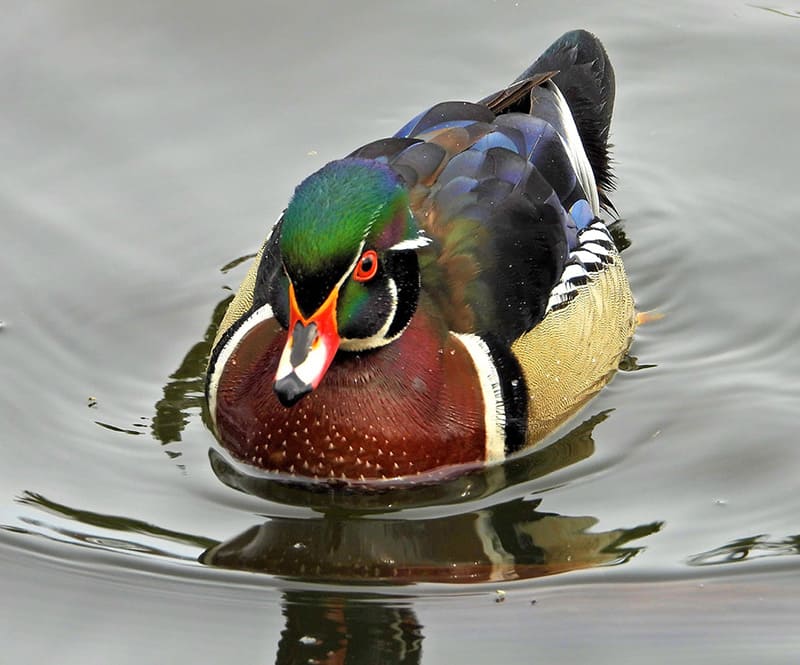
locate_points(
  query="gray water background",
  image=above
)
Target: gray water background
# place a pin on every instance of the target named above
(145, 145)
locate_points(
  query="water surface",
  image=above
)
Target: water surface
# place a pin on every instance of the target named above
(146, 147)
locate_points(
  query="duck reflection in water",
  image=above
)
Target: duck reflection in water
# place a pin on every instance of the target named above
(329, 629)
(358, 539)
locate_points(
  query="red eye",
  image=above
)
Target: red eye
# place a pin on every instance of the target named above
(367, 266)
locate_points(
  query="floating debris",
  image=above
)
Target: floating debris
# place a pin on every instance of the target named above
(91, 402)
(114, 428)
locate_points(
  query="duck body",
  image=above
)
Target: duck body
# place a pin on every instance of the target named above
(438, 299)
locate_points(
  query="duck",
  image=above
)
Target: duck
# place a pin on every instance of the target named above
(437, 300)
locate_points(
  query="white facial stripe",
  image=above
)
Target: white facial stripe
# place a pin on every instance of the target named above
(353, 265)
(495, 412)
(263, 313)
(411, 243)
(379, 338)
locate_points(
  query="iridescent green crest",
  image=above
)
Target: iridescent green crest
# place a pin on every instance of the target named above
(336, 209)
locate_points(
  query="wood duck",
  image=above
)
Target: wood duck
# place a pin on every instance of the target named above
(438, 299)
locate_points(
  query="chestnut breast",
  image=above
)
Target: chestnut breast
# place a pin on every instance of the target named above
(404, 409)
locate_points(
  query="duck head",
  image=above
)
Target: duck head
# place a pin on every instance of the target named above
(350, 277)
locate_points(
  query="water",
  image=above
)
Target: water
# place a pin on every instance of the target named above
(145, 147)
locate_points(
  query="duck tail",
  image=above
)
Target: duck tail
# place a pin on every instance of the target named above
(586, 79)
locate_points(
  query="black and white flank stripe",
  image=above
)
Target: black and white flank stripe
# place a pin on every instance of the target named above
(594, 252)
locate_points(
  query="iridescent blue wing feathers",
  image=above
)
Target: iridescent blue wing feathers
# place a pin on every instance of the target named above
(504, 186)
(586, 78)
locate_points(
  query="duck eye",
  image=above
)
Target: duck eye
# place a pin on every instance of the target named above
(367, 266)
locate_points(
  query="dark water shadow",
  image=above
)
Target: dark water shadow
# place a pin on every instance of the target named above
(184, 391)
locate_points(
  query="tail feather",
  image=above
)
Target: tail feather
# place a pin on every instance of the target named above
(586, 79)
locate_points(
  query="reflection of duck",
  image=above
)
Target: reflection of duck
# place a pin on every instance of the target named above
(445, 296)
(331, 629)
(508, 540)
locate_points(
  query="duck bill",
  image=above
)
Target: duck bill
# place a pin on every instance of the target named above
(310, 347)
